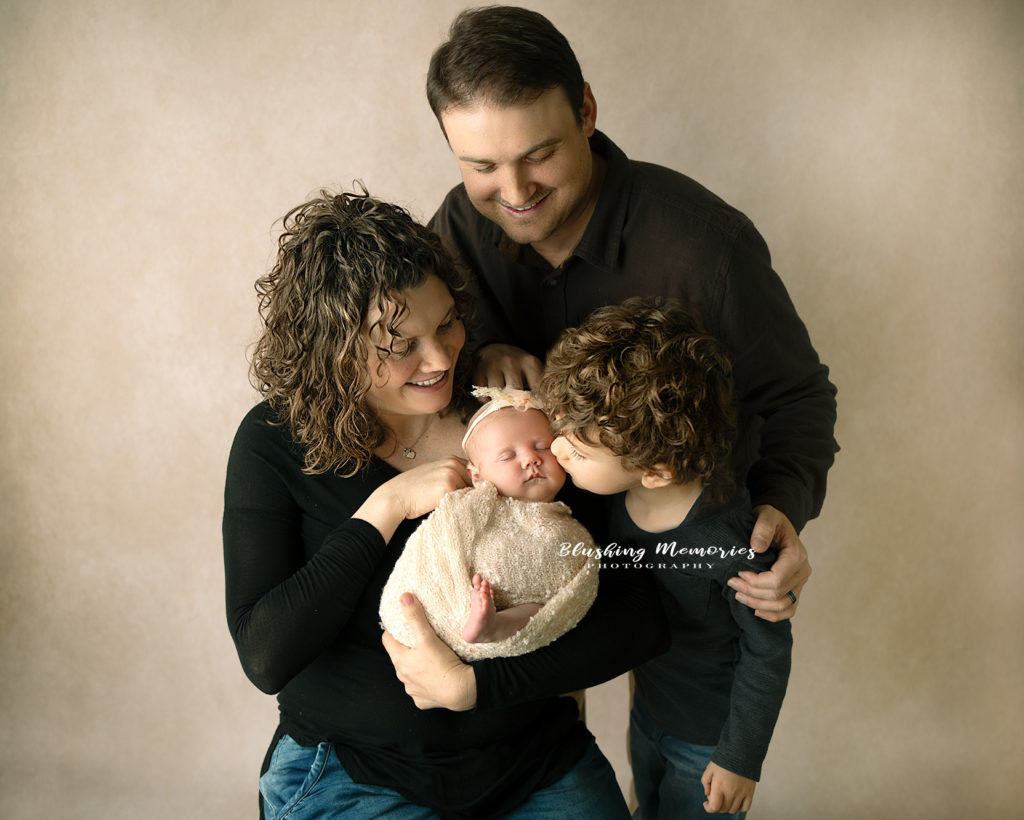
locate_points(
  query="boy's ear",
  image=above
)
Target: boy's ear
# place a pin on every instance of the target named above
(474, 473)
(660, 475)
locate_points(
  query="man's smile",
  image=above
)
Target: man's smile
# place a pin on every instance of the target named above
(518, 212)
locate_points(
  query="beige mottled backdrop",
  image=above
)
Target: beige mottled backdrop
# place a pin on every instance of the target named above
(147, 150)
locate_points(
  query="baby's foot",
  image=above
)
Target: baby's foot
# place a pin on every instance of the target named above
(481, 612)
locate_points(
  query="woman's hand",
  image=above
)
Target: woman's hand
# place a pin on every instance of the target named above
(433, 675)
(412, 494)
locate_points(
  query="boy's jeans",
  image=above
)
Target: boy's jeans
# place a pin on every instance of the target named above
(667, 773)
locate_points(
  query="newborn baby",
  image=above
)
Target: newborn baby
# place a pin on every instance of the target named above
(487, 564)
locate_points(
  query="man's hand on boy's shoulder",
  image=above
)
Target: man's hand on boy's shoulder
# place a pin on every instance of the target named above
(775, 594)
(726, 792)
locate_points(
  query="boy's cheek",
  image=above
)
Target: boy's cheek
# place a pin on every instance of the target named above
(564, 465)
(583, 484)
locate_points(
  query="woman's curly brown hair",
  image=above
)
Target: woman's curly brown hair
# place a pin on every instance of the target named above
(338, 256)
(644, 380)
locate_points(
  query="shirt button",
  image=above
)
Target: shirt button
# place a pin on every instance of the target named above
(551, 283)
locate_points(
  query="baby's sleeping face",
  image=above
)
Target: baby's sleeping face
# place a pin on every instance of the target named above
(512, 449)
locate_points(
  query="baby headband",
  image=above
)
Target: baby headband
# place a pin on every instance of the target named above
(499, 399)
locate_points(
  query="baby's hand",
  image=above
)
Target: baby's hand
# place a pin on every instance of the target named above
(726, 792)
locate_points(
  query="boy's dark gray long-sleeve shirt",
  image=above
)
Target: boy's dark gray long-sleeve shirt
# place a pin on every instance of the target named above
(723, 680)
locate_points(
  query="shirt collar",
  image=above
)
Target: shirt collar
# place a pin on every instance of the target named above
(603, 235)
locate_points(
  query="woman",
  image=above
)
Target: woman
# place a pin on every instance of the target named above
(357, 437)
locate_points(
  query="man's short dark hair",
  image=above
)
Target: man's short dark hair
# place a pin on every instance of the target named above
(505, 55)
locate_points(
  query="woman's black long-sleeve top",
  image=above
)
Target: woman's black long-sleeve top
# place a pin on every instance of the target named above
(303, 585)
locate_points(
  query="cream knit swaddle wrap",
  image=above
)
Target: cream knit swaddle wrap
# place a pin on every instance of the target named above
(512, 543)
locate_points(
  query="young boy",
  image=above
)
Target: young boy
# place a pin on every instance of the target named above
(487, 564)
(641, 401)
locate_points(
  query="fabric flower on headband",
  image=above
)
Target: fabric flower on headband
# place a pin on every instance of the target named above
(498, 399)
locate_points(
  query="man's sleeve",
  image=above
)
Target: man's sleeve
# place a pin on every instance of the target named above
(787, 403)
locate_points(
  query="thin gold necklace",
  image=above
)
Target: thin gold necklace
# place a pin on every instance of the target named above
(410, 452)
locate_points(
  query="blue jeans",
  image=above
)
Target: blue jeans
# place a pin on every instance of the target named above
(667, 773)
(309, 783)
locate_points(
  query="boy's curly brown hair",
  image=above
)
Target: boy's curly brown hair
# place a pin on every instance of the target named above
(645, 381)
(338, 256)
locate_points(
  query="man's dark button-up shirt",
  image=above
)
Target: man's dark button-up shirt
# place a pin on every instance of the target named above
(655, 232)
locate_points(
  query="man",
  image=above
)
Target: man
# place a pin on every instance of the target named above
(554, 221)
